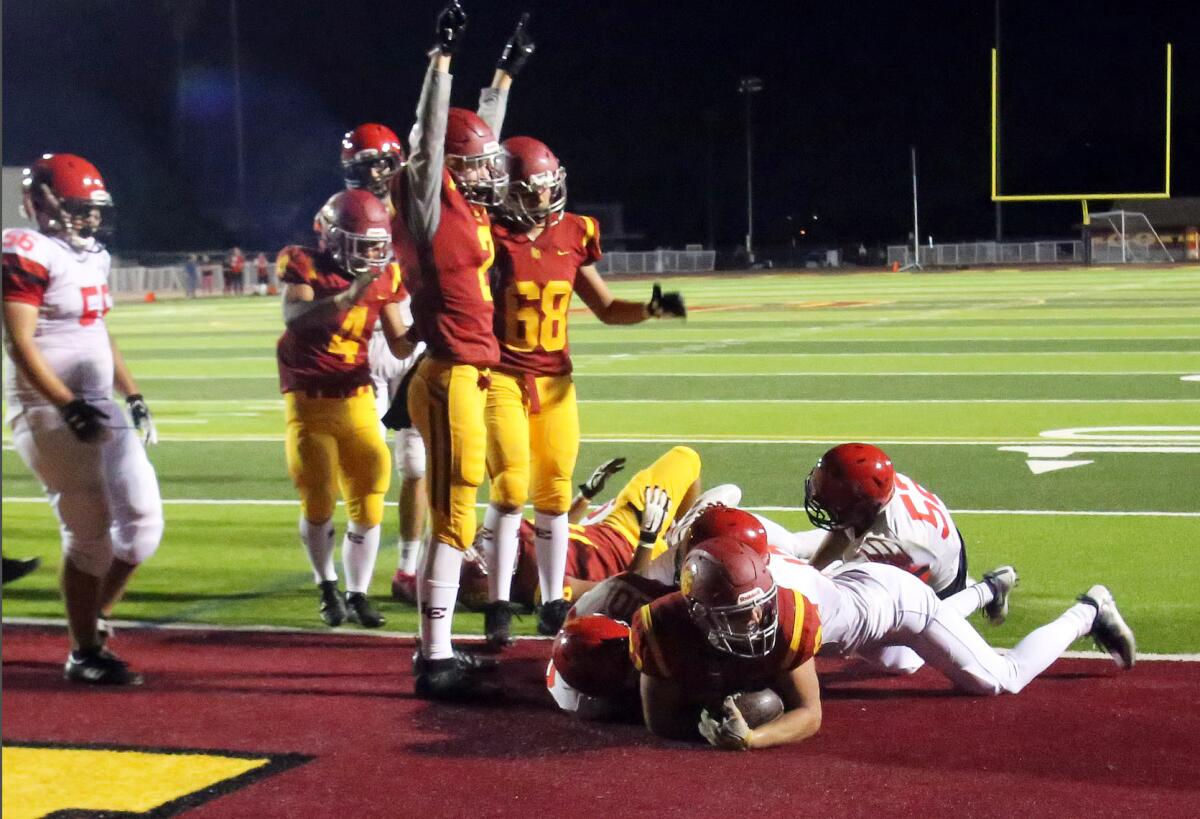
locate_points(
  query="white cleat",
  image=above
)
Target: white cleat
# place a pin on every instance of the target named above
(1110, 631)
(726, 494)
(1002, 580)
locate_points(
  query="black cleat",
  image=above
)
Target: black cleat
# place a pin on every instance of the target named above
(332, 609)
(551, 617)
(497, 624)
(449, 680)
(467, 659)
(16, 569)
(359, 610)
(95, 666)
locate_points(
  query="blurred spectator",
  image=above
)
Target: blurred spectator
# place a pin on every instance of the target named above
(234, 282)
(206, 275)
(191, 276)
(263, 272)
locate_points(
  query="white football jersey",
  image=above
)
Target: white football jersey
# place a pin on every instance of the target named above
(914, 532)
(387, 371)
(70, 290)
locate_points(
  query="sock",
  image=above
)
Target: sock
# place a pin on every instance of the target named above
(971, 599)
(359, 549)
(318, 542)
(437, 591)
(550, 539)
(485, 537)
(1044, 645)
(503, 559)
(410, 554)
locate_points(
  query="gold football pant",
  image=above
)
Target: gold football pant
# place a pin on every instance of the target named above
(675, 472)
(446, 403)
(532, 454)
(336, 442)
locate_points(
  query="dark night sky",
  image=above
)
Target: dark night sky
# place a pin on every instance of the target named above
(631, 95)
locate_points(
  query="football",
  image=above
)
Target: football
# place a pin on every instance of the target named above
(758, 707)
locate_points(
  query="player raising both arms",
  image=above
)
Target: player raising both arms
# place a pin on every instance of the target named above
(66, 427)
(543, 256)
(455, 171)
(331, 300)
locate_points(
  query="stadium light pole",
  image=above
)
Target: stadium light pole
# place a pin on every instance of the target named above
(748, 87)
(999, 214)
(238, 127)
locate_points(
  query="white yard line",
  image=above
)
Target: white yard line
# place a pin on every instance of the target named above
(380, 634)
(865, 374)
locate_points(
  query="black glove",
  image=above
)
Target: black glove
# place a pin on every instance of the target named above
(594, 485)
(451, 25)
(665, 304)
(518, 49)
(83, 419)
(142, 421)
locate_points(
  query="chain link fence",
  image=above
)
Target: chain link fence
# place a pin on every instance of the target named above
(976, 253)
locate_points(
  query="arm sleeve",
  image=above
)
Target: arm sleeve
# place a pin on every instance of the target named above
(427, 151)
(493, 105)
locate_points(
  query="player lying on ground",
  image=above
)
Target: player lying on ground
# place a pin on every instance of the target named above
(691, 645)
(88, 454)
(625, 533)
(544, 255)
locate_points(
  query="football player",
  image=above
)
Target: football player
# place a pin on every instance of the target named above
(332, 297)
(543, 256)
(625, 534)
(456, 170)
(88, 454)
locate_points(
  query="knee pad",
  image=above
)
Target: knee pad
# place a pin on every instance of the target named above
(410, 454)
(92, 557)
(554, 498)
(316, 505)
(366, 510)
(135, 541)
(509, 489)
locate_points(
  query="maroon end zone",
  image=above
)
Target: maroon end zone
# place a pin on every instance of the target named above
(1082, 740)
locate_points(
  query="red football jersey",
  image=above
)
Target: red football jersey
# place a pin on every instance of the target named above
(535, 282)
(666, 643)
(330, 357)
(593, 553)
(451, 292)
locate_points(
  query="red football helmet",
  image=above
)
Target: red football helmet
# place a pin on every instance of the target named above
(371, 155)
(66, 195)
(731, 596)
(591, 654)
(727, 521)
(356, 230)
(537, 187)
(848, 487)
(475, 159)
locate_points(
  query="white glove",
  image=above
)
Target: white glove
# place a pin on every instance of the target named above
(143, 422)
(654, 515)
(730, 732)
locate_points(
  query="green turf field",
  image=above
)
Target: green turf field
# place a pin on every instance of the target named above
(963, 377)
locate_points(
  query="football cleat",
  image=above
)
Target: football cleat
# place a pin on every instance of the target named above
(16, 569)
(551, 617)
(404, 587)
(332, 608)
(1002, 582)
(497, 624)
(450, 680)
(95, 666)
(359, 610)
(468, 659)
(1109, 629)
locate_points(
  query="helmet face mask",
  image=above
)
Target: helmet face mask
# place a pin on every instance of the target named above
(371, 156)
(848, 486)
(744, 630)
(372, 173)
(67, 198)
(537, 199)
(355, 231)
(481, 178)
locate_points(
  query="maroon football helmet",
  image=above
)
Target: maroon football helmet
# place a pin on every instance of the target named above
(371, 155)
(727, 521)
(848, 487)
(66, 196)
(356, 231)
(475, 159)
(591, 654)
(537, 183)
(731, 596)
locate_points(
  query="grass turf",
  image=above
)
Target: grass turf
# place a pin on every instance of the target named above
(949, 372)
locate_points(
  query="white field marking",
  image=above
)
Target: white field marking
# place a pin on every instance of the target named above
(864, 373)
(795, 509)
(1043, 467)
(1127, 435)
(1068, 451)
(383, 634)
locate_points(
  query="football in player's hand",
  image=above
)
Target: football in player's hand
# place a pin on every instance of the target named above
(759, 707)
